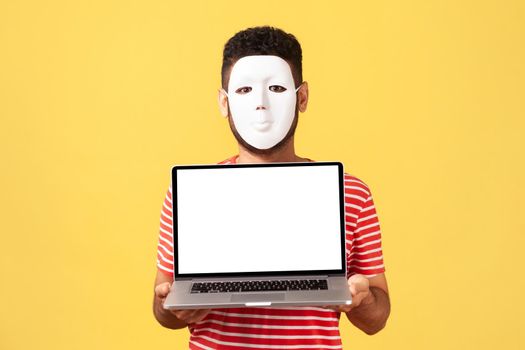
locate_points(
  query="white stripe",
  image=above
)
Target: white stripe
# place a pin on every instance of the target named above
(168, 198)
(368, 267)
(265, 326)
(159, 265)
(368, 243)
(353, 206)
(367, 208)
(200, 345)
(356, 182)
(351, 224)
(298, 308)
(266, 336)
(167, 208)
(164, 216)
(268, 346)
(166, 231)
(357, 188)
(367, 252)
(165, 240)
(367, 217)
(272, 317)
(355, 196)
(352, 215)
(163, 258)
(165, 223)
(367, 226)
(166, 250)
(367, 235)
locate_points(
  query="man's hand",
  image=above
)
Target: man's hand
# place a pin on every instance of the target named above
(370, 306)
(186, 316)
(360, 290)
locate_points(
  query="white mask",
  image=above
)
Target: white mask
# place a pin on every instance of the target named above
(261, 94)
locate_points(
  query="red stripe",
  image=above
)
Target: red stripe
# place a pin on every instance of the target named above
(349, 218)
(208, 344)
(367, 222)
(367, 272)
(365, 248)
(259, 329)
(349, 228)
(272, 321)
(367, 239)
(373, 263)
(367, 212)
(163, 263)
(263, 341)
(167, 214)
(365, 255)
(264, 313)
(167, 246)
(165, 227)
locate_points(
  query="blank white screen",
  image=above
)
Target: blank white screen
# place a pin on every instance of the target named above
(258, 219)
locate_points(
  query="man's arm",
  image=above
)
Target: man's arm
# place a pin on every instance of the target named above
(165, 317)
(173, 319)
(372, 312)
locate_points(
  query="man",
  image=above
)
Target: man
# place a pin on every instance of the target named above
(262, 94)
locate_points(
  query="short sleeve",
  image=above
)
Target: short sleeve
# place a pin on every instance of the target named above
(363, 232)
(165, 243)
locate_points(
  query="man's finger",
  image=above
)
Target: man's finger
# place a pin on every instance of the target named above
(166, 288)
(358, 285)
(183, 315)
(195, 316)
(198, 315)
(362, 287)
(356, 290)
(162, 289)
(331, 307)
(339, 308)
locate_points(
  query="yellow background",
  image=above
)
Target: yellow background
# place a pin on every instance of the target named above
(423, 100)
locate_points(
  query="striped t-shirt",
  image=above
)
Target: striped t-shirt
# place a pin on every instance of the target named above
(286, 327)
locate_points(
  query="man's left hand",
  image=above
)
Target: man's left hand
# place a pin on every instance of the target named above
(361, 294)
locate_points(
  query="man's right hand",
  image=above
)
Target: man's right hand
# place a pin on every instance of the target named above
(187, 316)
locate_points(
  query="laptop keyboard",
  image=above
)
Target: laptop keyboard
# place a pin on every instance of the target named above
(258, 286)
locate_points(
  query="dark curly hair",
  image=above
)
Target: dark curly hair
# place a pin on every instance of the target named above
(263, 40)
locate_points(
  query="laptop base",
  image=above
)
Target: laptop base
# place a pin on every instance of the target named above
(180, 297)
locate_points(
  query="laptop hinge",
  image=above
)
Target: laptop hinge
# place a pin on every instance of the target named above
(258, 277)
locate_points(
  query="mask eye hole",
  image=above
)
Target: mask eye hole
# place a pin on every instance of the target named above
(243, 90)
(277, 88)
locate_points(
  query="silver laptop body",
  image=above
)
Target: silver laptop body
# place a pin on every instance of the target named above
(253, 235)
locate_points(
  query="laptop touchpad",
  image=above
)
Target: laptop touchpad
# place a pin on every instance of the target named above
(257, 297)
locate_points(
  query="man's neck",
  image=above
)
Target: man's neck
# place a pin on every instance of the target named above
(283, 155)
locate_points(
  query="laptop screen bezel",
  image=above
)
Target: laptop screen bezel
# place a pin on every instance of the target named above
(333, 272)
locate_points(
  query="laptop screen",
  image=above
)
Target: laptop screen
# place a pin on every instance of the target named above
(258, 219)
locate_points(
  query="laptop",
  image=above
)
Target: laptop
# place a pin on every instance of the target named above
(258, 235)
